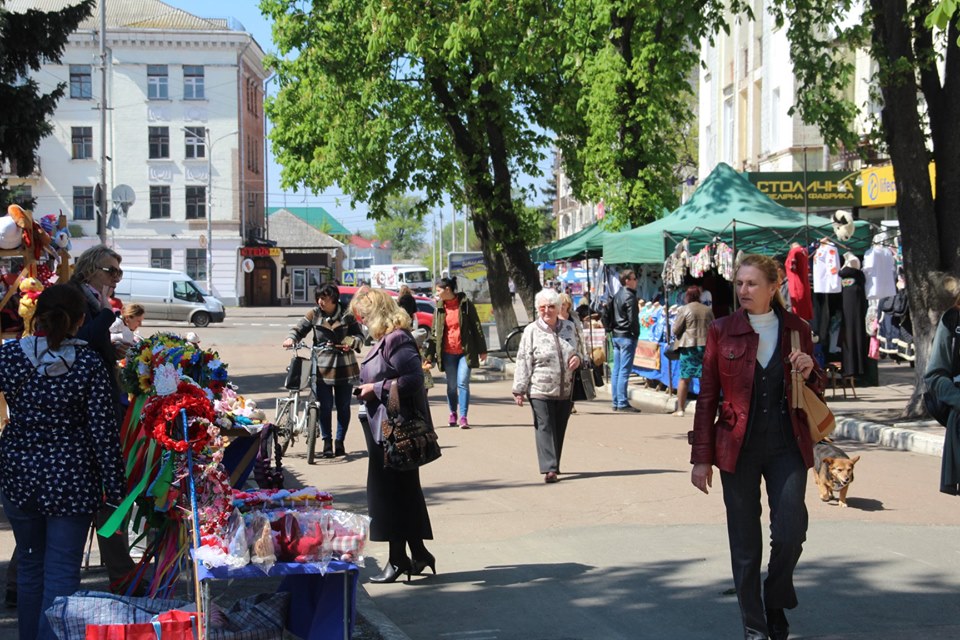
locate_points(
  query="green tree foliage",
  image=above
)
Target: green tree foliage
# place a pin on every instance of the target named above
(402, 225)
(29, 40)
(918, 80)
(438, 98)
(626, 116)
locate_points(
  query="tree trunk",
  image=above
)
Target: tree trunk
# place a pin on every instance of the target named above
(904, 134)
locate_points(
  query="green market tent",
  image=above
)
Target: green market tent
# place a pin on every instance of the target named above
(575, 246)
(726, 207)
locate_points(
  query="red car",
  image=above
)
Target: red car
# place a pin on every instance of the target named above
(425, 306)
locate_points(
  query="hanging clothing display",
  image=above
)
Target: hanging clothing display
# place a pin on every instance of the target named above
(826, 269)
(880, 270)
(826, 306)
(798, 282)
(853, 342)
(648, 283)
(725, 261)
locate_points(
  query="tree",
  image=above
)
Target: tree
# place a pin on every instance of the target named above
(918, 79)
(29, 40)
(402, 225)
(437, 98)
(624, 124)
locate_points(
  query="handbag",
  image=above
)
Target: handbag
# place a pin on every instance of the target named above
(820, 420)
(583, 386)
(294, 374)
(408, 443)
(672, 352)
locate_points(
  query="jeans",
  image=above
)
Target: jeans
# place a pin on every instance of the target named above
(50, 552)
(458, 386)
(328, 395)
(623, 350)
(785, 476)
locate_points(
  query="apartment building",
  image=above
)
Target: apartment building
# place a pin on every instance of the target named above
(184, 140)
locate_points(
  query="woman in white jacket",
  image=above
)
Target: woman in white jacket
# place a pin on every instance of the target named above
(546, 360)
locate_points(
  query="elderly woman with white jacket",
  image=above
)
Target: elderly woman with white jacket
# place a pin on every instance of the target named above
(546, 360)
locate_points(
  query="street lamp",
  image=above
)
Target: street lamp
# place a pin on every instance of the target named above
(210, 204)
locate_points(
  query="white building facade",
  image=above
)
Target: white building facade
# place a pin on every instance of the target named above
(184, 132)
(747, 86)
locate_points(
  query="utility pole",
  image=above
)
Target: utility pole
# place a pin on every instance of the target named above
(441, 240)
(209, 212)
(466, 216)
(453, 231)
(102, 203)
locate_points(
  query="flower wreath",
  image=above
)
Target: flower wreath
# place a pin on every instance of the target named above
(161, 415)
(150, 355)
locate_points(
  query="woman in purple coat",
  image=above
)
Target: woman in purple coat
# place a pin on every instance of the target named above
(395, 503)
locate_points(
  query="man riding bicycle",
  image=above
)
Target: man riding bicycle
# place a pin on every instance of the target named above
(337, 338)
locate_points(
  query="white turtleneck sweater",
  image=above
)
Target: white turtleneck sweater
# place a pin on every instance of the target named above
(766, 325)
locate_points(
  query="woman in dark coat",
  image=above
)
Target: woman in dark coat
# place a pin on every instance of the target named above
(395, 503)
(757, 437)
(59, 455)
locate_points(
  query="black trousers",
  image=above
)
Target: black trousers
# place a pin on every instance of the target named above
(785, 475)
(550, 419)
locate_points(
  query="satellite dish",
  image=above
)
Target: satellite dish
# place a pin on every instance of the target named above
(123, 195)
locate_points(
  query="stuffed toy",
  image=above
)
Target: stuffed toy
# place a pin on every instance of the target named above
(10, 235)
(30, 289)
(34, 237)
(843, 226)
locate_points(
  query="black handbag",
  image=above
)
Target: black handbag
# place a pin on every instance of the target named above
(408, 443)
(582, 388)
(294, 373)
(672, 352)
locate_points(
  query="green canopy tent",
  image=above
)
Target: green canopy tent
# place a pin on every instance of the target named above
(726, 207)
(586, 243)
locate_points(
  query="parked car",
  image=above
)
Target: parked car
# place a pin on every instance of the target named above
(425, 305)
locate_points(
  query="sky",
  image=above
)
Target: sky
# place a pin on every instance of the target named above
(337, 203)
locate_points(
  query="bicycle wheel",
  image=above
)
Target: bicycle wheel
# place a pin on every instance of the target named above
(285, 423)
(512, 343)
(312, 427)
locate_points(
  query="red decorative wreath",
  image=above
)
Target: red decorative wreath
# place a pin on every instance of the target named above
(161, 418)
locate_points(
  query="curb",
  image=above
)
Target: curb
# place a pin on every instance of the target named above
(892, 437)
(384, 626)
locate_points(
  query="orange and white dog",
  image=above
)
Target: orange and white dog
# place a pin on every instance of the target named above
(833, 471)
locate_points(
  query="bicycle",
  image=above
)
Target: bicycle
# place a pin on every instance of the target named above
(512, 344)
(293, 416)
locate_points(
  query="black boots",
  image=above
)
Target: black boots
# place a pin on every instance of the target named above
(327, 448)
(338, 449)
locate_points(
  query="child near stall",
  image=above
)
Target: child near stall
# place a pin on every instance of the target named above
(123, 331)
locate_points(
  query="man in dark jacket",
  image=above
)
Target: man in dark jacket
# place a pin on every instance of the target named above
(625, 327)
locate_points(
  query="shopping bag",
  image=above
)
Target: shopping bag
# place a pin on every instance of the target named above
(172, 625)
(820, 420)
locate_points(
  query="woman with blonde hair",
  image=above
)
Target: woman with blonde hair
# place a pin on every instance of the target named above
(744, 425)
(395, 502)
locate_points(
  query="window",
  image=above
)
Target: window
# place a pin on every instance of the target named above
(159, 202)
(183, 290)
(81, 81)
(82, 142)
(159, 142)
(197, 264)
(192, 82)
(196, 203)
(195, 139)
(161, 259)
(158, 84)
(83, 203)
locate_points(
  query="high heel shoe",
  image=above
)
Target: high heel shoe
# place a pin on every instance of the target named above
(419, 567)
(393, 571)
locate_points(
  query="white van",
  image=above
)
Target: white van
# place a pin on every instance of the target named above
(169, 295)
(391, 276)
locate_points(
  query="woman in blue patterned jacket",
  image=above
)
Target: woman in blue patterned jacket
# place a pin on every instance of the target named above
(59, 455)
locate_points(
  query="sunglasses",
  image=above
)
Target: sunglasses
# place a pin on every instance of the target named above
(113, 272)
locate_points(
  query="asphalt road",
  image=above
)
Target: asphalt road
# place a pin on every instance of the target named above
(623, 547)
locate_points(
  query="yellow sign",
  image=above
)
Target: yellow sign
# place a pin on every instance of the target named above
(879, 188)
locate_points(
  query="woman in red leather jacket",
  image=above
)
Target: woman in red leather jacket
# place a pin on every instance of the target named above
(755, 435)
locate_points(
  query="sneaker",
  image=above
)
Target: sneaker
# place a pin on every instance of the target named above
(463, 423)
(453, 419)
